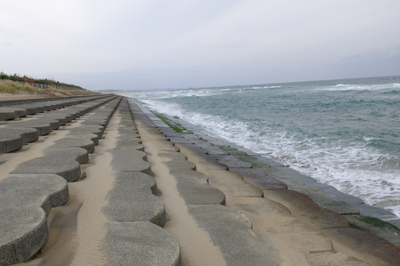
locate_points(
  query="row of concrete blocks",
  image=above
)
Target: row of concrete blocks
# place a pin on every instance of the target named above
(321, 210)
(134, 234)
(294, 177)
(15, 134)
(23, 109)
(228, 229)
(35, 186)
(276, 176)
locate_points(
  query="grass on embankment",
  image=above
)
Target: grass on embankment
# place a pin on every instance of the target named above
(12, 87)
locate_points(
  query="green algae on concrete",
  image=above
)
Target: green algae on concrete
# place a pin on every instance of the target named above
(175, 126)
(376, 226)
(244, 157)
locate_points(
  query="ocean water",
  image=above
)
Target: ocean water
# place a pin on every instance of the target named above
(345, 133)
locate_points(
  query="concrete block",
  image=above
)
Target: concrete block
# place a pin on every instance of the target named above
(132, 199)
(129, 161)
(79, 154)
(24, 231)
(333, 192)
(211, 149)
(33, 190)
(84, 142)
(226, 228)
(376, 250)
(140, 243)
(25, 201)
(326, 201)
(59, 164)
(7, 114)
(43, 128)
(98, 130)
(195, 190)
(375, 226)
(259, 178)
(10, 140)
(177, 161)
(306, 210)
(232, 161)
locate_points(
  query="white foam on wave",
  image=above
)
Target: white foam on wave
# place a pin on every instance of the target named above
(266, 87)
(178, 93)
(360, 87)
(353, 168)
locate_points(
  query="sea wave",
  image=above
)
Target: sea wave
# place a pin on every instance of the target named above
(360, 87)
(348, 140)
(266, 87)
(352, 167)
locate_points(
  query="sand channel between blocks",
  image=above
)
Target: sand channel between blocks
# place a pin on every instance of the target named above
(77, 229)
(195, 243)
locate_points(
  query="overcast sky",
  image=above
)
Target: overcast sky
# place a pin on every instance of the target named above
(150, 44)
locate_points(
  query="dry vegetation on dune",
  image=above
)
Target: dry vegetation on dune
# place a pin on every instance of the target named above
(8, 86)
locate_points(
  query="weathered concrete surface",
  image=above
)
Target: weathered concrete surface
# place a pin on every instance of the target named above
(232, 161)
(24, 231)
(205, 161)
(98, 130)
(79, 154)
(63, 116)
(10, 140)
(306, 210)
(364, 245)
(54, 123)
(211, 149)
(25, 201)
(232, 184)
(195, 190)
(375, 226)
(33, 190)
(140, 243)
(177, 161)
(326, 201)
(84, 142)
(333, 192)
(27, 134)
(227, 228)
(42, 127)
(20, 112)
(55, 163)
(259, 178)
(129, 161)
(129, 143)
(132, 199)
(272, 221)
(88, 135)
(280, 175)
(7, 114)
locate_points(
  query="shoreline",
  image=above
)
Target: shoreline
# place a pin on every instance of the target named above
(308, 181)
(370, 210)
(343, 135)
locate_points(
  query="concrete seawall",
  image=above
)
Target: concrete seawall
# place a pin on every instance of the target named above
(101, 180)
